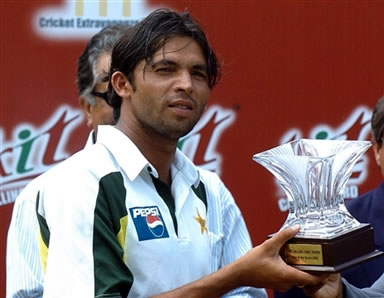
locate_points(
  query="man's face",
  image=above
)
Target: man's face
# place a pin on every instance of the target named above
(379, 156)
(170, 94)
(101, 113)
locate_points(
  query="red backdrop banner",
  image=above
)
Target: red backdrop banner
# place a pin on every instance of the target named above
(291, 69)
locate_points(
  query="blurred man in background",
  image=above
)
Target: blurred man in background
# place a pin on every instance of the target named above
(369, 208)
(24, 270)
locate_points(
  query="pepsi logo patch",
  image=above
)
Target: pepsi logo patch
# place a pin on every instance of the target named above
(149, 223)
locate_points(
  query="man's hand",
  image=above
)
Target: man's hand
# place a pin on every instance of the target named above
(330, 288)
(263, 266)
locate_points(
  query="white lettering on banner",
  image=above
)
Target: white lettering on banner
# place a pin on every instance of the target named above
(356, 127)
(7, 197)
(79, 19)
(32, 151)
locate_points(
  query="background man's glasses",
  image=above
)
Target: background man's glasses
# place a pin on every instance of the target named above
(103, 95)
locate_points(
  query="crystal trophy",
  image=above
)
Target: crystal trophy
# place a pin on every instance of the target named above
(313, 174)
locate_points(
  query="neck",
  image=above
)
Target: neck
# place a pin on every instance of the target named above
(158, 150)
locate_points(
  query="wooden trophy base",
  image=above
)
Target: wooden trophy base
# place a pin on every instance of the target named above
(333, 254)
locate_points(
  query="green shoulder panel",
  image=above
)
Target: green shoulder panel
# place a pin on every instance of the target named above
(112, 276)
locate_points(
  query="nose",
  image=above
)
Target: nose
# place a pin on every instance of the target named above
(184, 82)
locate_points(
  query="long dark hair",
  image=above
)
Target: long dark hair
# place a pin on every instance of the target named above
(148, 36)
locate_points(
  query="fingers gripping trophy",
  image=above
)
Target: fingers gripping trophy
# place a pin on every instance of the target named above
(313, 174)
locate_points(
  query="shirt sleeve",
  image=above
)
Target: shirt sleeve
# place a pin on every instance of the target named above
(376, 290)
(229, 235)
(24, 272)
(85, 256)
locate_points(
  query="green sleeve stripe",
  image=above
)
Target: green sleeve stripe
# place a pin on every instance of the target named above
(112, 276)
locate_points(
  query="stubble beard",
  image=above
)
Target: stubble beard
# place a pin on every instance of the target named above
(172, 129)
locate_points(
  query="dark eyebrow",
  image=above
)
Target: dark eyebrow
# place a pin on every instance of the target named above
(200, 67)
(173, 63)
(163, 62)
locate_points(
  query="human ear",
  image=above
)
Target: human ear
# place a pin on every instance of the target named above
(121, 84)
(86, 107)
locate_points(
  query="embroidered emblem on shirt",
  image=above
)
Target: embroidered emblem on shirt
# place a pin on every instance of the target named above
(148, 222)
(201, 221)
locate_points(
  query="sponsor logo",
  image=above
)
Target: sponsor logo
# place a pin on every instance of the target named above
(155, 225)
(79, 19)
(149, 223)
(355, 127)
(33, 150)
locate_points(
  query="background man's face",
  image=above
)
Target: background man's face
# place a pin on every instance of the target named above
(102, 113)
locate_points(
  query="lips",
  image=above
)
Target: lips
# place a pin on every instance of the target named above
(181, 106)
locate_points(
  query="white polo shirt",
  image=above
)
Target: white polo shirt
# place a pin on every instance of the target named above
(112, 229)
(24, 273)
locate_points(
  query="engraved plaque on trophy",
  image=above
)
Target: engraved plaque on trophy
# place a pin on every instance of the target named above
(313, 174)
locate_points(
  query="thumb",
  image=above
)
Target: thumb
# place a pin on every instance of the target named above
(284, 235)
